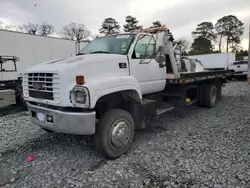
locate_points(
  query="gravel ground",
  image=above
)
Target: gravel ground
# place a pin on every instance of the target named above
(189, 147)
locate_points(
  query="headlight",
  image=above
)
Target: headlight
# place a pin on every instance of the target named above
(79, 96)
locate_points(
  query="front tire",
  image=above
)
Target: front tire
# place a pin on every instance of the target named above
(114, 134)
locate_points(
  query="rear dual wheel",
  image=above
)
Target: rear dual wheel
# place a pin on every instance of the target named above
(114, 134)
(210, 97)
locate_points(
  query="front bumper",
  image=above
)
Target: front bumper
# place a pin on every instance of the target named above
(79, 123)
(240, 73)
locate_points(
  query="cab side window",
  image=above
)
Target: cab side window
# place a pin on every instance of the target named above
(145, 46)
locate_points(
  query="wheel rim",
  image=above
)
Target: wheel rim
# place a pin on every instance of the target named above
(120, 134)
(213, 96)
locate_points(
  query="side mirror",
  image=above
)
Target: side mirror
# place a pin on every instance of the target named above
(160, 49)
(160, 57)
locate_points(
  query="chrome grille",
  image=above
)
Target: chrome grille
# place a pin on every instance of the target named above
(42, 85)
(41, 81)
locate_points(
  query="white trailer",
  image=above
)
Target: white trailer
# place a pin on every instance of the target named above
(32, 50)
(215, 60)
(28, 50)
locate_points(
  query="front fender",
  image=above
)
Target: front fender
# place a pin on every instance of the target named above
(102, 86)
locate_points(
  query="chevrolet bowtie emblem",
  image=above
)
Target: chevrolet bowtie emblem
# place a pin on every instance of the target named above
(38, 86)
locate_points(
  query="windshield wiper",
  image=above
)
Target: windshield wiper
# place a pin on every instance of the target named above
(97, 52)
(80, 54)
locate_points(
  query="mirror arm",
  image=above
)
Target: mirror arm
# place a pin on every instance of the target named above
(141, 62)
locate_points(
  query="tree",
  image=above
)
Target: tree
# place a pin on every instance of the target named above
(45, 29)
(201, 46)
(75, 31)
(203, 35)
(131, 24)
(14, 28)
(109, 25)
(18, 28)
(1, 25)
(184, 44)
(31, 28)
(156, 24)
(204, 30)
(240, 54)
(231, 28)
(80, 32)
(67, 32)
(9, 27)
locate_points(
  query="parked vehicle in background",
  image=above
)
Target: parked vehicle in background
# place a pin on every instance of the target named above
(32, 50)
(10, 90)
(215, 61)
(19, 51)
(240, 68)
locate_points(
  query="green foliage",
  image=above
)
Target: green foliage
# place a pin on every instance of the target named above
(204, 30)
(231, 28)
(109, 26)
(201, 46)
(240, 54)
(131, 24)
(156, 24)
(203, 35)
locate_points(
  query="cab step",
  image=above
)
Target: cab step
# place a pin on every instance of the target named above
(164, 108)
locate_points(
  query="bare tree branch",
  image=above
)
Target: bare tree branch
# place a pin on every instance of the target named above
(45, 29)
(184, 43)
(31, 28)
(75, 31)
(2, 25)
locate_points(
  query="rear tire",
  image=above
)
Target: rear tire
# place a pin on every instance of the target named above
(210, 96)
(114, 134)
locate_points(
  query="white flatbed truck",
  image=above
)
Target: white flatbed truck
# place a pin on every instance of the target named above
(113, 84)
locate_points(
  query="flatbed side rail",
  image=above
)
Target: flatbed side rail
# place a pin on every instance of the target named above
(200, 76)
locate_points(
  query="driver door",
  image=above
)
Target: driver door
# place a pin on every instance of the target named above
(151, 77)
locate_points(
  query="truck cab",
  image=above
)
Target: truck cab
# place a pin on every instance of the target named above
(113, 84)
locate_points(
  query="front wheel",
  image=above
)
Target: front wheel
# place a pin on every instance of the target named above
(114, 134)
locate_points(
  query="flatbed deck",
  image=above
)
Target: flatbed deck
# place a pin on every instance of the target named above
(199, 76)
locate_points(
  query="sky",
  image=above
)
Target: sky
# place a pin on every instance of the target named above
(181, 16)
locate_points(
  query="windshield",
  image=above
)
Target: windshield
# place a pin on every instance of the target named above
(240, 62)
(115, 44)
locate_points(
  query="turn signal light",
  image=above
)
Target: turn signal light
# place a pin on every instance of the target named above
(80, 80)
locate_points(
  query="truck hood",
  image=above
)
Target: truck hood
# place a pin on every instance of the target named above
(63, 65)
